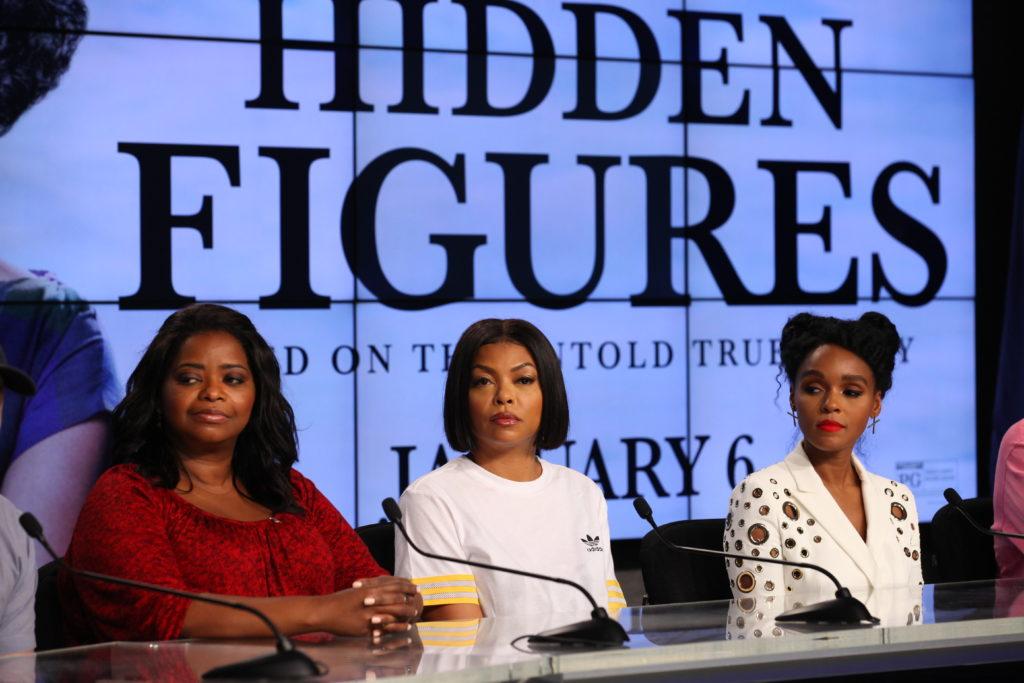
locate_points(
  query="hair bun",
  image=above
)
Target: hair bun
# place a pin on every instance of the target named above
(886, 332)
(873, 337)
(797, 326)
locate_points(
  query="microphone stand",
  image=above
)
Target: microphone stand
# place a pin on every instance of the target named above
(599, 631)
(954, 499)
(287, 662)
(843, 609)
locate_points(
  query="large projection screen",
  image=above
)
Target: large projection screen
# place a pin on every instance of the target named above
(657, 185)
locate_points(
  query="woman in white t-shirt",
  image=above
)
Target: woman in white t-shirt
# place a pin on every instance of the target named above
(500, 503)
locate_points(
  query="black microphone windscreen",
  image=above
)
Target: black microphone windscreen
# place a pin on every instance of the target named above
(642, 507)
(391, 510)
(31, 525)
(952, 497)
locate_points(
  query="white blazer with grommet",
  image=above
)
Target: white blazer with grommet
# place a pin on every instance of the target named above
(784, 511)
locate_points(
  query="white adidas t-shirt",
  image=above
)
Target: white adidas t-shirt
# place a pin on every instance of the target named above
(556, 525)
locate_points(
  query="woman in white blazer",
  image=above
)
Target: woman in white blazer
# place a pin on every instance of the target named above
(820, 504)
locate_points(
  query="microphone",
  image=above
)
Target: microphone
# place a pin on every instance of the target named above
(287, 662)
(954, 499)
(844, 609)
(600, 630)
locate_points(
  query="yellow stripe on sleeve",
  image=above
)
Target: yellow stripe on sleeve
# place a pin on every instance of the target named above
(615, 594)
(466, 642)
(444, 579)
(453, 625)
(428, 602)
(616, 598)
(448, 589)
(456, 633)
(434, 633)
(438, 633)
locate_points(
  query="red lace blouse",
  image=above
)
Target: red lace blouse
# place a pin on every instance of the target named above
(133, 529)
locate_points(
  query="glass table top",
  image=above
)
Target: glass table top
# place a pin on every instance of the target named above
(923, 624)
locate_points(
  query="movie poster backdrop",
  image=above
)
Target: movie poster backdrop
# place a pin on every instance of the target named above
(657, 185)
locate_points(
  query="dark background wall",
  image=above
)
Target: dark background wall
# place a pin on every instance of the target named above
(999, 105)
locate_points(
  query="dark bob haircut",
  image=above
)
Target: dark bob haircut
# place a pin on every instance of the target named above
(872, 337)
(266, 449)
(35, 55)
(554, 418)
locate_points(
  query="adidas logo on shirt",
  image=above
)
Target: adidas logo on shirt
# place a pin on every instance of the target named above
(593, 544)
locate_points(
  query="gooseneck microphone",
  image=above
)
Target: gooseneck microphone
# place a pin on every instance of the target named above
(287, 662)
(844, 609)
(599, 630)
(954, 499)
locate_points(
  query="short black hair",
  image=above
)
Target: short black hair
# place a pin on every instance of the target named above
(554, 418)
(872, 337)
(36, 52)
(267, 447)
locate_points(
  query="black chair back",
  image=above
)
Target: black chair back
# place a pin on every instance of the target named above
(959, 551)
(380, 539)
(672, 576)
(49, 617)
(928, 566)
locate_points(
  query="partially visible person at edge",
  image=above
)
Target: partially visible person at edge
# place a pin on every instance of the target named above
(17, 554)
(501, 503)
(820, 504)
(55, 445)
(1008, 502)
(203, 497)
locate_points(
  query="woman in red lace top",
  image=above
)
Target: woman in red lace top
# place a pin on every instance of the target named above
(205, 499)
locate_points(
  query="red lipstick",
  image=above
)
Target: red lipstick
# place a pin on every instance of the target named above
(829, 426)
